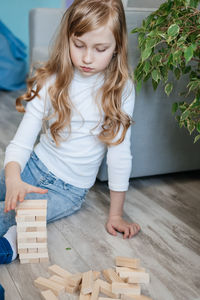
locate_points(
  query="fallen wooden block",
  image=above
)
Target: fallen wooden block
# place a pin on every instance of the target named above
(95, 291)
(75, 279)
(121, 261)
(48, 295)
(84, 297)
(135, 297)
(44, 283)
(87, 282)
(120, 270)
(111, 276)
(126, 288)
(106, 288)
(57, 270)
(139, 277)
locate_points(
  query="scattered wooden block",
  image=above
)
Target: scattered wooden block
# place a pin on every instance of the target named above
(44, 283)
(138, 277)
(135, 297)
(129, 270)
(84, 297)
(87, 282)
(127, 262)
(111, 276)
(96, 275)
(95, 291)
(48, 295)
(57, 270)
(106, 288)
(126, 288)
(75, 279)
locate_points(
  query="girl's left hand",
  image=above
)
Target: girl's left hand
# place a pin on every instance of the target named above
(116, 223)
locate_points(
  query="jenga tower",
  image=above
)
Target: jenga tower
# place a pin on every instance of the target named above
(32, 231)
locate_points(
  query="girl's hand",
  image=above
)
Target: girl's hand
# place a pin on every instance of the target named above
(116, 223)
(16, 190)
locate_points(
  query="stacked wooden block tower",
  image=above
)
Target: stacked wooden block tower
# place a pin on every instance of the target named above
(123, 282)
(32, 231)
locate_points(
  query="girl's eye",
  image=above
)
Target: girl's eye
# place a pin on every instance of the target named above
(101, 50)
(78, 46)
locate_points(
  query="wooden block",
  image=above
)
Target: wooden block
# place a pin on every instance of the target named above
(31, 212)
(31, 224)
(40, 218)
(103, 298)
(42, 250)
(135, 297)
(20, 219)
(32, 245)
(41, 240)
(33, 255)
(63, 281)
(55, 269)
(84, 297)
(111, 276)
(87, 282)
(31, 229)
(121, 261)
(26, 240)
(44, 283)
(95, 291)
(36, 234)
(43, 259)
(75, 279)
(33, 261)
(138, 277)
(96, 275)
(48, 295)
(125, 269)
(106, 288)
(126, 288)
(33, 250)
(37, 203)
(25, 250)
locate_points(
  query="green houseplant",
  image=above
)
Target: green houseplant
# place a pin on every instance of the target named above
(169, 41)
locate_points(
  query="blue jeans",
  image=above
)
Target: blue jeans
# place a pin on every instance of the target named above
(63, 199)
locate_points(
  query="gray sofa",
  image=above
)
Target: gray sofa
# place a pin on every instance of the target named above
(159, 146)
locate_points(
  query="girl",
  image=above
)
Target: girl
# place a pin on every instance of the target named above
(83, 99)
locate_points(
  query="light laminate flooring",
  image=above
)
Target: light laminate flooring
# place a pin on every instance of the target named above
(168, 209)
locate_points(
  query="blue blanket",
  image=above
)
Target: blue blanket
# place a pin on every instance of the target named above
(13, 66)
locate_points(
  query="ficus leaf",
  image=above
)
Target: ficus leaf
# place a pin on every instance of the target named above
(173, 30)
(174, 107)
(146, 53)
(188, 53)
(196, 138)
(168, 88)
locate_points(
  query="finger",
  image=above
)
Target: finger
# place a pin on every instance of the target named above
(21, 197)
(7, 204)
(132, 230)
(13, 203)
(34, 189)
(111, 229)
(126, 232)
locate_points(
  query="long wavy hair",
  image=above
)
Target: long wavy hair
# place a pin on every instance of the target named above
(81, 17)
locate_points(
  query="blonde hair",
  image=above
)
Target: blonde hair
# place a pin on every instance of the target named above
(81, 17)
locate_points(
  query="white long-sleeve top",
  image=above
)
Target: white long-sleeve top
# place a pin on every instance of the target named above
(77, 159)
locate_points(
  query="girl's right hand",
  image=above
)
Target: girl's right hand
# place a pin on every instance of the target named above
(16, 190)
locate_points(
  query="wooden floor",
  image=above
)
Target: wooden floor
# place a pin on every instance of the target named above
(167, 208)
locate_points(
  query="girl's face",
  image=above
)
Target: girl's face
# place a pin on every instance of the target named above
(92, 52)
